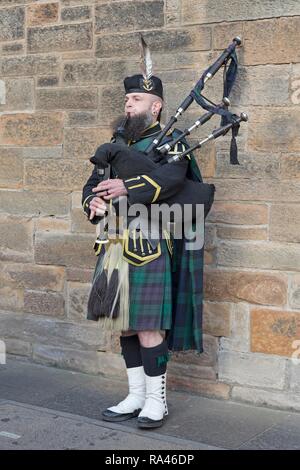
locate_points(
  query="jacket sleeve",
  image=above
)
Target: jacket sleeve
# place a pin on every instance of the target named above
(88, 195)
(159, 184)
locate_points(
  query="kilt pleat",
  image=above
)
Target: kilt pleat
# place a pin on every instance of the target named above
(150, 294)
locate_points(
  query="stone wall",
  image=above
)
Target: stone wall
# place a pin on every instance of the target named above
(61, 70)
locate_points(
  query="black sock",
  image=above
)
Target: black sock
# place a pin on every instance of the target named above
(155, 359)
(131, 351)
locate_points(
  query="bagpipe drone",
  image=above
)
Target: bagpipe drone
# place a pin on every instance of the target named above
(128, 162)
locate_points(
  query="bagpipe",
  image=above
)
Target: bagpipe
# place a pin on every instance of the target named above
(128, 162)
(109, 296)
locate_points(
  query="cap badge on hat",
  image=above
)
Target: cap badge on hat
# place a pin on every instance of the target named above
(148, 84)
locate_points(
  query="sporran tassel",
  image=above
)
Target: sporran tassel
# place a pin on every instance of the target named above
(97, 295)
(116, 302)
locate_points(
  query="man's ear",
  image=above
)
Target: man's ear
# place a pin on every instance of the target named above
(156, 107)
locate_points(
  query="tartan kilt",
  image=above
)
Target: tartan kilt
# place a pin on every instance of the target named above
(150, 293)
(167, 294)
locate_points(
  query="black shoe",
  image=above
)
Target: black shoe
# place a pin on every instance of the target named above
(112, 416)
(146, 423)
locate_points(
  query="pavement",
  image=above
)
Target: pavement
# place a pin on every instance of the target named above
(54, 409)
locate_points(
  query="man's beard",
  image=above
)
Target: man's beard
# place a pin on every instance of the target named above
(134, 126)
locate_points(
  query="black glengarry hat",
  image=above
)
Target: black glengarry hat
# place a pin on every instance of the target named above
(138, 84)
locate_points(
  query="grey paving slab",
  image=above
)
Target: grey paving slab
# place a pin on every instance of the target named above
(33, 383)
(279, 437)
(224, 424)
(36, 428)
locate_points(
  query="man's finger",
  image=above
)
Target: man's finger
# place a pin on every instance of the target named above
(92, 214)
(111, 195)
(101, 185)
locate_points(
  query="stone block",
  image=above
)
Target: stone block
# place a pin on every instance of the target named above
(77, 300)
(206, 160)
(205, 388)
(12, 23)
(111, 365)
(16, 238)
(274, 129)
(210, 236)
(82, 118)
(172, 12)
(66, 358)
(294, 291)
(76, 13)
(208, 11)
(65, 250)
(283, 400)
(242, 233)
(43, 152)
(79, 275)
(44, 303)
(259, 255)
(51, 224)
(239, 339)
(48, 81)
(18, 347)
(31, 129)
(209, 257)
(96, 71)
(196, 38)
(42, 13)
(223, 34)
(79, 222)
(53, 331)
(83, 142)
(238, 214)
(11, 299)
(11, 164)
(290, 167)
(13, 49)
(2, 92)
(190, 372)
(67, 98)
(71, 37)
(294, 370)
(273, 331)
(284, 222)
(262, 85)
(129, 16)
(76, 199)
(207, 358)
(216, 318)
(254, 370)
(274, 32)
(251, 166)
(253, 287)
(28, 65)
(111, 104)
(268, 190)
(34, 203)
(65, 175)
(30, 276)
(19, 94)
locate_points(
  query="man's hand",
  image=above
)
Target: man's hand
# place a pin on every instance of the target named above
(110, 188)
(97, 207)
